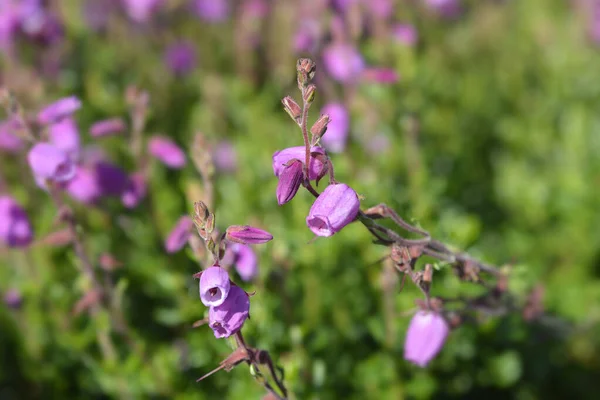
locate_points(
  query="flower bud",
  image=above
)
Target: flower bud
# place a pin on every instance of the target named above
(229, 317)
(15, 228)
(247, 235)
(179, 235)
(107, 127)
(335, 208)
(292, 108)
(50, 163)
(58, 110)
(309, 93)
(289, 182)
(319, 127)
(425, 337)
(214, 286)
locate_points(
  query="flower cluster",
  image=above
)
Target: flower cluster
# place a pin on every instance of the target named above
(229, 305)
(338, 205)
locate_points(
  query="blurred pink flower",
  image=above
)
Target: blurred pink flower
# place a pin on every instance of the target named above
(406, 34)
(180, 58)
(166, 151)
(343, 62)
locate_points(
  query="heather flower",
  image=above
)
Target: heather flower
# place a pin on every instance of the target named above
(180, 58)
(15, 228)
(214, 286)
(405, 34)
(135, 191)
(289, 182)
(425, 337)
(179, 235)
(343, 62)
(13, 298)
(225, 157)
(48, 162)
(141, 10)
(335, 208)
(107, 127)
(212, 10)
(247, 235)
(336, 136)
(243, 258)
(165, 150)
(84, 186)
(58, 110)
(65, 136)
(282, 157)
(9, 141)
(229, 317)
(112, 180)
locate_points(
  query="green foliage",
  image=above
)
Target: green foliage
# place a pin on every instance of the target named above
(506, 165)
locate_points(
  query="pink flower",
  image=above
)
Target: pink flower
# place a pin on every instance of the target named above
(335, 208)
(166, 151)
(425, 337)
(229, 317)
(179, 235)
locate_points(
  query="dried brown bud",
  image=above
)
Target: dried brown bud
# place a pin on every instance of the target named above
(319, 128)
(428, 273)
(293, 109)
(400, 254)
(210, 223)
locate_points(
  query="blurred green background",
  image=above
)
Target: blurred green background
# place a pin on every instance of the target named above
(505, 164)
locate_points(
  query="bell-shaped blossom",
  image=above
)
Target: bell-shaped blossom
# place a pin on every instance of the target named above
(84, 186)
(48, 162)
(214, 286)
(229, 317)
(135, 190)
(180, 58)
(289, 182)
(225, 157)
(247, 235)
(179, 235)
(343, 62)
(9, 141)
(425, 337)
(336, 136)
(282, 157)
(107, 127)
(405, 34)
(335, 208)
(65, 135)
(141, 10)
(166, 151)
(15, 228)
(243, 258)
(212, 10)
(58, 110)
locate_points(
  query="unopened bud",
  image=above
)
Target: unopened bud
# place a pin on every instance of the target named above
(247, 235)
(306, 71)
(292, 108)
(210, 223)
(320, 127)
(309, 93)
(201, 211)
